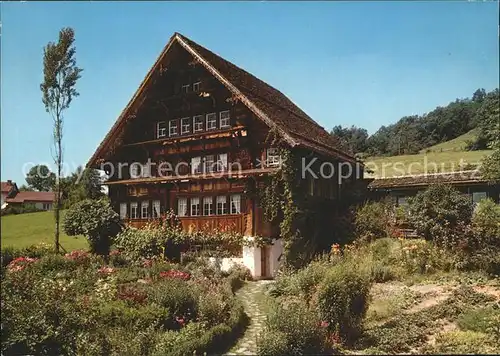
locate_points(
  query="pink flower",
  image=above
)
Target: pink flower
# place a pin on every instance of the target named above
(181, 321)
(19, 263)
(76, 255)
(147, 263)
(106, 270)
(115, 253)
(175, 274)
(324, 324)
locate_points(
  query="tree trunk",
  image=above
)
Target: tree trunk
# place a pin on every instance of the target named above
(58, 185)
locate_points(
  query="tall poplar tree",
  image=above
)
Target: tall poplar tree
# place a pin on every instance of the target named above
(60, 75)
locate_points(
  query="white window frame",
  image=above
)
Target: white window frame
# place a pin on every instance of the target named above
(222, 200)
(156, 211)
(483, 195)
(185, 88)
(195, 201)
(145, 209)
(185, 122)
(236, 200)
(135, 170)
(199, 123)
(182, 207)
(196, 87)
(211, 118)
(208, 201)
(221, 165)
(209, 164)
(161, 131)
(123, 210)
(134, 213)
(224, 122)
(273, 158)
(172, 128)
(196, 166)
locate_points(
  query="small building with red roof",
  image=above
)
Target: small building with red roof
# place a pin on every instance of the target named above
(11, 196)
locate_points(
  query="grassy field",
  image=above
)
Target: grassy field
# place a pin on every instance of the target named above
(28, 229)
(432, 162)
(457, 144)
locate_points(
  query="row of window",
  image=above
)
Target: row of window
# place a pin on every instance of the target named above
(193, 124)
(144, 213)
(201, 164)
(207, 206)
(186, 88)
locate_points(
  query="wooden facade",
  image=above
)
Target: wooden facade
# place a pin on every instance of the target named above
(195, 136)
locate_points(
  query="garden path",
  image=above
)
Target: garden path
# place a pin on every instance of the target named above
(253, 298)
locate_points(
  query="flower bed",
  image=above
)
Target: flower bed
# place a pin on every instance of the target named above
(76, 304)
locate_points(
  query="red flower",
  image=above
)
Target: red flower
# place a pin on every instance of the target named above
(76, 255)
(175, 274)
(106, 270)
(181, 321)
(19, 263)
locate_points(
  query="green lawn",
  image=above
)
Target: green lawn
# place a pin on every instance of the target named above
(435, 162)
(28, 229)
(457, 144)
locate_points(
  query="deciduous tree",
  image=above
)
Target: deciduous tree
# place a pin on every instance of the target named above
(60, 74)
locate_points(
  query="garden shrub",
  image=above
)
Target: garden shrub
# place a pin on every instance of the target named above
(136, 244)
(292, 328)
(342, 299)
(461, 342)
(478, 319)
(96, 220)
(373, 220)
(436, 213)
(58, 304)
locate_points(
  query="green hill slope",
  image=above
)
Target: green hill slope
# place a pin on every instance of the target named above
(30, 229)
(457, 144)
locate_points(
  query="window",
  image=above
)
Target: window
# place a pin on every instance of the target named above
(156, 209)
(402, 201)
(224, 119)
(221, 162)
(196, 87)
(134, 214)
(195, 206)
(209, 164)
(185, 88)
(198, 123)
(172, 128)
(235, 204)
(46, 206)
(145, 209)
(221, 205)
(196, 166)
(207, 206)
(135, 170)
(478, 196)
(182, 206)
(123, 210)
(273, 157)
(161, 129)
(185, 125)
(211, 121)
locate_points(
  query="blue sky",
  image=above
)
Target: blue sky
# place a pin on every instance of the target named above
(358, 63)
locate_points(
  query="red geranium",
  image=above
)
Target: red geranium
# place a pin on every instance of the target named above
(175, 274)
(76, 255)
(19, 263)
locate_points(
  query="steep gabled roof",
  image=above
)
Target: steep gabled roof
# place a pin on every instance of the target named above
(23, 197)
(266, 102)
(7, 187)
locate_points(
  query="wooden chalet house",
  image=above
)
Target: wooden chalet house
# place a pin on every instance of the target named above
(196, 116)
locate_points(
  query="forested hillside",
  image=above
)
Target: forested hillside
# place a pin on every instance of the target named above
(412, 134)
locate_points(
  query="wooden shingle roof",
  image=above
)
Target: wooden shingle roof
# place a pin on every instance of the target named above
(266, 102)
(462, 177)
